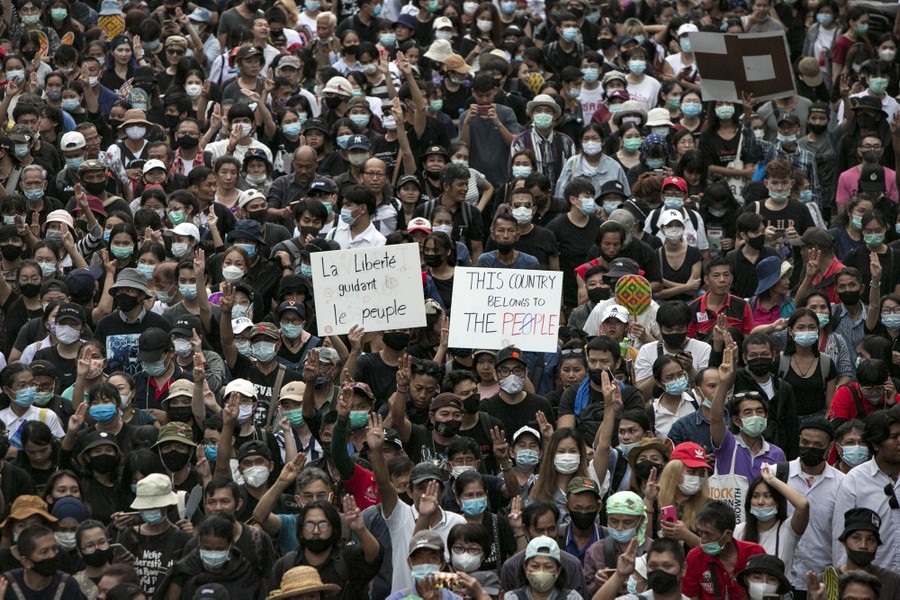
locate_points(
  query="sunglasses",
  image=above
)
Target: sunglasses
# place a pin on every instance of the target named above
(889, 491)
(571, 352)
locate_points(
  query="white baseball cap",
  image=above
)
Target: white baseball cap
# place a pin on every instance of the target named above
(670, 216)
(614, 311)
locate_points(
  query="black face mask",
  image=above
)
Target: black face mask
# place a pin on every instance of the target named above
(188, 142)
(259, 215)
(11, 252)
(849, 298)
(174, 460)
(433, 260)
(103, 463)
(582, 520)
(30, 290)
(98, 557)
(642, 469)
(871, 156)
(471, 404)
(317, 546)
(29, 55)
(94, 188)
(661, 582)
(757, 242)
(326, 448)
(433, 174)
(396, 341)
(504, 248)
(674, 340)
(596, 376)
(171, 121)
(350, 50)
(448, 429)
(760, 366)
(404, 497)
(578, 13)
(812, 457)
(182, 414)
(599, 294)
(114, 124)
(861, 558)
(605, 43)
(818, 129)
(333, 102)
(127, 303)
(48, 566)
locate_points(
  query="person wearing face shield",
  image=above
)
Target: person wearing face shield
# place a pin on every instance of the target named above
(513, 405)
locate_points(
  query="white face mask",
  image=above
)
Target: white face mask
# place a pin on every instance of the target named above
(465, 562)
(690, 484)
(567, 463)
(757, 590)
(674, 234)
(65, 539)
(256, 476)
(244, 413)
(232, 274)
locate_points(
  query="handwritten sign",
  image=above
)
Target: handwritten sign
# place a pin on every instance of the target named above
(376, 288)
(495, 308)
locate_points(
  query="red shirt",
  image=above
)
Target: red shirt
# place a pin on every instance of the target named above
(844, 406)
(703, 318)
(835, 266)
(701, 568)
(362, 487)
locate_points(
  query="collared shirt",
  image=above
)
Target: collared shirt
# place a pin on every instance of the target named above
(851, 330)
(863, 487)
(34, 413)
(285, 190)
(802, 160)
(370, 237)
(703, 318)
(178, 164)
(665, 418)
(572, 546)
(745, 463)
(813, 551)
(551, 151)
(137, 319)
(576, 166)
(706, 578)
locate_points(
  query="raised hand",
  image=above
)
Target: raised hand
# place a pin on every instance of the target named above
(430, 501)
(726, 369)
(226, 303)
(352, 514)
(625, 562)
(199, 367)
(231, 409)
(812, 261)
(612, 394)
(345, 402)
(291, 469)
(77, 418)
(355, 335)
(215, 119)
(651, 490)
(83, 365)
(199, 263)
(404, 373)
(815, 588)
(445, 331)
(501, 446)
(311, 366)
(375, 432)
(515, 513)
(875, 266)
(544, 425)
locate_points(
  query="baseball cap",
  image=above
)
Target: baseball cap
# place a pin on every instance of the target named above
(419, 224)
(186, 230)
(426, 471)
(324, 185)
(542, 546)
(614, 311)
(152, 343)
(72, 140)
(526, 430)
(409, 179)
(329, 356)
(510, 353)
(691, 454)
(677, 182)
(70, 310)
(426, 539)
(582, 484)
(789, 118)
(240, 324)
(175, 431)
(358, 142)
(670, 216)
(623, 266)
(254, 448)
(871, 178)
(242, 387)
(292, 306)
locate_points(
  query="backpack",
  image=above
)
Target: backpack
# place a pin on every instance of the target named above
(784, 363)
(654, 224)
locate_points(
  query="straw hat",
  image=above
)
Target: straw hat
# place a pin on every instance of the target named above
(301, 580)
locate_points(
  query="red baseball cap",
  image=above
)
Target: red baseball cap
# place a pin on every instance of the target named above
(678, 182)
(691, 454)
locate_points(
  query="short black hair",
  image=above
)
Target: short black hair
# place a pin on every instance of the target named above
(673, 314)
(536, 510)
(718, 261)
(455, 376)
(878, 428)
(358, 194)
(603, 343)
(663, 545)
(577, 187)
(717, 513)
(872, 371)
(483, 83)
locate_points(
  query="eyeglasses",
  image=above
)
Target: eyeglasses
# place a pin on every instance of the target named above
(890, 311)
(311, 526)
(871, 146)
(90, 548)
(471, 550)
(175, 52)
(505, 371)
(374, 174)
(889, 491)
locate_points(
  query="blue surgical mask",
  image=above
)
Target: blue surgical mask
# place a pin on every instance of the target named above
(264, 351)
(676, 387)
(622, 536)
(786, 139)
(188, 291)
(25, 397)
(306, 271)
(291, 129)
(754, 426)
(154, 368)
(764, 514)
(347, 216)
(211, 453)
(103, 413)
(825, 18)
(521, 172)
(474, 507)
(70, 104)
(878, 84)
(590, 74)
(153, 516)
(725, 112)
(74, 163)
(631, 586)
(421, 572)
(527, 458)
(673, 202)
(626, 448)
(244, 347)
(637, 67)
(588, 206)
(655, 163)
(570, 34)
(691, 109)
(34, 194)
(891, 321)
(855, 455)
(147, 271)
(291, 331)
(806, 196)
(342, 141)
(711, 548)
(213, 559)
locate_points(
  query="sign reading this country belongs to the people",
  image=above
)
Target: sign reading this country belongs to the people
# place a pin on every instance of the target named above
(495, 308)
(752, 63)
(376, 288)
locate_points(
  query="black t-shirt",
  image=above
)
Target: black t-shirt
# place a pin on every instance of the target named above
(154, 555)
(589, 419)
(645, 256)
(65, 366)
(378, 375)
(792, 214)
(809, 392)
(103, 501)
(480, 433)
(244, 368)
(744, 272)
(574, 244)
(890, 265)
(538, 242)
(516, 416)
(445, 289)
(16, 315)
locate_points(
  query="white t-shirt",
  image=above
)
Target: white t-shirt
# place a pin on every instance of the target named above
(647, 355)
(590, 102)
(779, 541)
(646, 93)
(400, 525)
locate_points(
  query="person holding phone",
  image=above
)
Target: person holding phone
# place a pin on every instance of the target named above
(683, 489)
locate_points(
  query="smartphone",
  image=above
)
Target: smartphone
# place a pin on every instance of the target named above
(659, 172)
(667, 513)
(483, 109)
